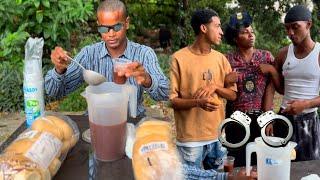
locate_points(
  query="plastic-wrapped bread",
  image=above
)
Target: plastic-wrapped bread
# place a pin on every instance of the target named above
(154, 127)
(154, 153)
(18, 167)
(44, 146)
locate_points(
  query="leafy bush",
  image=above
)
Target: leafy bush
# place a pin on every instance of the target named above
(74, 101)
(53, 20)
(11, 95)
(164, 62)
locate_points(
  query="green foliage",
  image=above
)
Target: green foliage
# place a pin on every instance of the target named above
(164, 62)
(11, 82)
(74, 101)
(53, 20)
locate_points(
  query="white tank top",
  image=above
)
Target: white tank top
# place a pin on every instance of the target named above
(301, 77)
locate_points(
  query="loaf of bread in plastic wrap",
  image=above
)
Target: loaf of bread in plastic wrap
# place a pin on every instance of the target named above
(38, 152)
(154, 153)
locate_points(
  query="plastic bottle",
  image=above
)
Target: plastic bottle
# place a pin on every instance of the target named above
(33, 84)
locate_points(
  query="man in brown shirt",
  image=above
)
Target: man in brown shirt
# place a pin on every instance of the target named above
(197, 92)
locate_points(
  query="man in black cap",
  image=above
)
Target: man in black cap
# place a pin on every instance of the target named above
(299, 74)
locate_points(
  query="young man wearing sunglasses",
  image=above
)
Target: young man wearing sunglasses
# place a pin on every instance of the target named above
(113, 22)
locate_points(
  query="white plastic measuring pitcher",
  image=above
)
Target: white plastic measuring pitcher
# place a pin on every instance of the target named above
(108, 110)
(272, 163)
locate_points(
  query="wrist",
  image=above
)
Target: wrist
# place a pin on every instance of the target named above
(60, 71)
(308, 104)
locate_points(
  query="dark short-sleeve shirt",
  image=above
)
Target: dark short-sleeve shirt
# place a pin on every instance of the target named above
(251, 82)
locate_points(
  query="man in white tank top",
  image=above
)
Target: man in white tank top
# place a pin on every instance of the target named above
(299, 74)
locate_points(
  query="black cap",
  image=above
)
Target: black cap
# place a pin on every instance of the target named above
(298, 13)
(240, 20)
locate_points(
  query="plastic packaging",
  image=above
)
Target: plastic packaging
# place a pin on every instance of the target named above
(33, 83)
(108, 110)
(272, 162)
(154, 154)
(131, 132)
(38, 152)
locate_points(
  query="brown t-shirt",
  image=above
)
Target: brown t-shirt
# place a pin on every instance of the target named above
(187, 74)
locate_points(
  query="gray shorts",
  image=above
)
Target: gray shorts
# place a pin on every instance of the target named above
(306, 133)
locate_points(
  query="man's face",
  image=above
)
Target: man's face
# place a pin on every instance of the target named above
(297, 31)
(246, 37)
(117, 26)
(214, 32)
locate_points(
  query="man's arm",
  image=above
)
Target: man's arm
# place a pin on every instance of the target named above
(207, 104)
(226, 93)
(159, 83)
(267, 101)
(297, 106)
(277, 78)
(58, 82)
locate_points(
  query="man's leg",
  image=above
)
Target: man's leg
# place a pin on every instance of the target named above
(214, 155)
(192, 156)
(307, 135)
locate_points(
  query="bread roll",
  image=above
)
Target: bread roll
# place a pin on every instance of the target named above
(27, 175)
(154, 122)
(73, 141)
(20, 146)
(54, 166)
(66, 145)
(63, 126)
(155, 157)
(46, 125)
(15, 166)
(154, 127)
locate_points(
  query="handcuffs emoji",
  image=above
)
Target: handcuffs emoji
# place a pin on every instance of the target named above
(263, 120)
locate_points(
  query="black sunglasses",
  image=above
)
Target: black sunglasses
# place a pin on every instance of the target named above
(104, 29)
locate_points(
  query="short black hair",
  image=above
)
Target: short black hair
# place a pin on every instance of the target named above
(232, 29)
(200, 17)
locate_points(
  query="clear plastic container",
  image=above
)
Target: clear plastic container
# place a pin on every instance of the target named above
(33, 84)
(108, 110)
(272, 163)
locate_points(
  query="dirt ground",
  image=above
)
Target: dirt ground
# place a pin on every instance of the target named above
(9, 122)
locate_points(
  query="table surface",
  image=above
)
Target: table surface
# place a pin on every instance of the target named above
(80, 164)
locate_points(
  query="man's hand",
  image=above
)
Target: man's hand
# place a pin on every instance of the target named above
(137, 70)
(59, 59)
(231, 78)
(241, 174)
(207, 104)
(296, 107)
(267, 68)
(205, 92)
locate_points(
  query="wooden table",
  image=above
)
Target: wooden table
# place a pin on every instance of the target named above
(80, 164)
